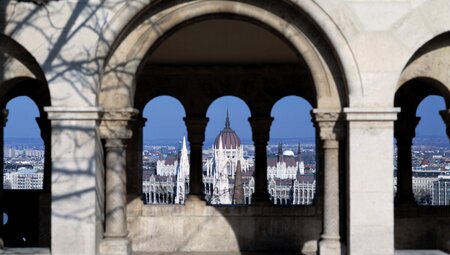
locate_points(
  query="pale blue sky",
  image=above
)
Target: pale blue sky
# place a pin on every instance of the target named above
(165, 118)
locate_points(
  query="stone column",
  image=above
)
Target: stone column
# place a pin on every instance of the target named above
(76, 181)
(404, 132)
(370, 181)
(134, 159)
(196, 136)
(115, 130)
(445, 115)
(261, 135)
(44, 198)
(3, 120)
(331, 132)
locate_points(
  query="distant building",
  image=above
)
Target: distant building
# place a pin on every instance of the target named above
(227, 174)
(26, 177)
(441, 190)
(169, 182)
(288, 183)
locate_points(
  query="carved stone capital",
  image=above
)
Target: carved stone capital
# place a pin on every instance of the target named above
(331, 124)
(261, 129)
(4, 116)
(45, 128)
(141, 122)
(115, 143)
(405, 127)
(196, 129)
(445, 115)
(115, 123)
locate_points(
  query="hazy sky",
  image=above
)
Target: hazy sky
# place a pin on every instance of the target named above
(165, 118)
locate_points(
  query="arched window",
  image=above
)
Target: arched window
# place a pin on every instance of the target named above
(23, 153)
(429, 152)
(228, 153)
(291, 153)
(165, 155)
(26, 172)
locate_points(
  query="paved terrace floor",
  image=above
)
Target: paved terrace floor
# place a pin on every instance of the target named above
(41, 251)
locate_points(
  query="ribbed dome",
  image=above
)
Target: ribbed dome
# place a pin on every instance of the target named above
(230, 140)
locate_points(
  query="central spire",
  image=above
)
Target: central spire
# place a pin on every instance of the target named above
(227, 121)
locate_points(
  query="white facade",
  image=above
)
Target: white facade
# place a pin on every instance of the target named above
(170, 183)
(25, 181)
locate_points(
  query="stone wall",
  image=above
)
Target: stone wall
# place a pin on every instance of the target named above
(200, 227)
(422, 228)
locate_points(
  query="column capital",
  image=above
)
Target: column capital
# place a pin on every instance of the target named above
(331, 124)
(44, 127)
(115, 143)
(405, 127)
(4, 116)
(115, 123)
(196, 129)
(140, 122)
(445, 115)
(261, 128)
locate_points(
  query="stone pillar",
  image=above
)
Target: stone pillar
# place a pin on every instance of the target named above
(115, 130)
(331, 132)
(261, 135)
(445, 115)
(404, 132)
(196, 136)
(3, 120)
(44, 198)
(370, 182)
(76, 180)
(134, 159)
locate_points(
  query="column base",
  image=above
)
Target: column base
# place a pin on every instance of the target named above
(115, 246)
(331, 247)
(195, 200)
(261, 199)
(405, 199)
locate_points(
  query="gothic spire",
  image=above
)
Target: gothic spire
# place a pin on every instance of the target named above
(227, 121)
(299, 153)
(238, 194)
(280, 152)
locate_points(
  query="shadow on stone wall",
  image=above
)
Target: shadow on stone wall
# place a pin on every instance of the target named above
(200, 227)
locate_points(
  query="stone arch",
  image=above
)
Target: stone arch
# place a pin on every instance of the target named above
(430, 65)
(135, 177)
(424, 74)
(18, 53)
(117, 85)
(427, 22)
(25, 78)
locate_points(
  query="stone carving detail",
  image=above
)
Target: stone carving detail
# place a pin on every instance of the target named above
(115, 124)
(196, 129)
(405, 127)
(331, 124)
(4, 116)
(260, 129)
(445, 114)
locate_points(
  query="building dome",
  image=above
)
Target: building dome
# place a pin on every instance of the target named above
(288, 153)
(230, 140)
